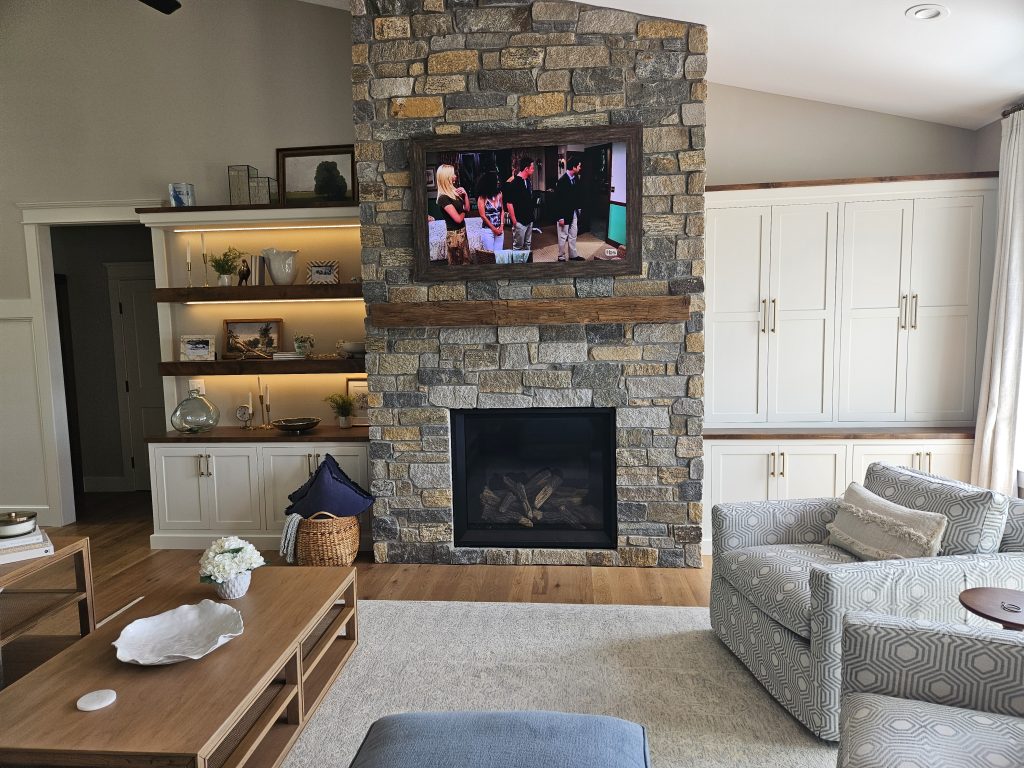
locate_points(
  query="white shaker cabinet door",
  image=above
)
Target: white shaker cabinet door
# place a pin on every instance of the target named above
(742, 471)
(944, 309)
(737, 242)
(952, 460)
(808, 470)
(232, 488)
(899, 454)
(178, 477)
(875, 279)
(285, 469)
(801, 312)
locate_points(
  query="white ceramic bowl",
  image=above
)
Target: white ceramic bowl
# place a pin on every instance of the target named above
(186, 632)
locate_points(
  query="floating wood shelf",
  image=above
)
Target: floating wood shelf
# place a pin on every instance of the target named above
(639, 309)
(262, 367)
(260, 293)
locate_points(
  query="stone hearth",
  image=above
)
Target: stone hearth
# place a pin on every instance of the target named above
(426, 67)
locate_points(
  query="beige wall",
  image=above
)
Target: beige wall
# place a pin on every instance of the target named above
(986, 149)
(754, 136)
(109, 99)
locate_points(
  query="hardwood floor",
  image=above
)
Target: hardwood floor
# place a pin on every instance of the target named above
(125, 568)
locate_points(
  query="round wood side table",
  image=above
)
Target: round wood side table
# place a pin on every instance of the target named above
(1003, 606)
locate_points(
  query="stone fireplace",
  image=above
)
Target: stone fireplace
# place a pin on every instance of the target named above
(426, 67)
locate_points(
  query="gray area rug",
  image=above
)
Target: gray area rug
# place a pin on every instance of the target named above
(661, 667)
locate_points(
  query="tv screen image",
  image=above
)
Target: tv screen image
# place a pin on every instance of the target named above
(546, 203)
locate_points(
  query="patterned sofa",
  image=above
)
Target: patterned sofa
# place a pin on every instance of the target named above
(779, 595)
(923, 693)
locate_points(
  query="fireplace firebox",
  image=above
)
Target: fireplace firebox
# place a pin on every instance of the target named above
(534, 477)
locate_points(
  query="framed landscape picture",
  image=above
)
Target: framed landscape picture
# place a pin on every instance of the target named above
(198, 347)
(259, 337)
(317, 176)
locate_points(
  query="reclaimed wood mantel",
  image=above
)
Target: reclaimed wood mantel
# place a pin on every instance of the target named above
(632, 309)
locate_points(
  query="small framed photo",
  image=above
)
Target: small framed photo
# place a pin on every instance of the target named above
(431, 178)
(317, 176)
(358, 389)
(257, 338)
(323, 273)
(194, 347)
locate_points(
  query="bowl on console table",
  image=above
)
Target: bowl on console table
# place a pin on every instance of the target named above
(300, 424)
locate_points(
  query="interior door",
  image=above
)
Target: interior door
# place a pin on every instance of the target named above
(231, 493)
(178, 496)
(137, 357)
(811, 470)
(942, 337)
(285, 469)
(801, 312)
(737, 243)
(875, 281)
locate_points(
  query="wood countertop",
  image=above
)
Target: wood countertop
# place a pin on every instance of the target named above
(839, 433)
(324, 433)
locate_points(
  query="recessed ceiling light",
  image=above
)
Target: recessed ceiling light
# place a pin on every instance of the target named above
(927, 12)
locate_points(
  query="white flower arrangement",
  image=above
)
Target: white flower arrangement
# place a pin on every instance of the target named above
(227, 558)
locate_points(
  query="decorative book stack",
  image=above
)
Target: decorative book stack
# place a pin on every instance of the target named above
(25, 547)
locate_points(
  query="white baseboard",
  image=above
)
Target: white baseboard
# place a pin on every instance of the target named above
(260, 540)
(102, 484)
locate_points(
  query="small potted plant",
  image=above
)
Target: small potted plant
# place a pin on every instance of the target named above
(226, 265)
(304, 344)
(342, 405)
(229, 563)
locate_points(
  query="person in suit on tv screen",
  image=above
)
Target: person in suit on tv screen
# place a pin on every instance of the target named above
(568, 203)
(519, 202)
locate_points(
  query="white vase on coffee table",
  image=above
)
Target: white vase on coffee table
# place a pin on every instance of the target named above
(235, 587)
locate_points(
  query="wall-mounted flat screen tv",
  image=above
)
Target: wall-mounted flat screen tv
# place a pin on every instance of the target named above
(545, 203)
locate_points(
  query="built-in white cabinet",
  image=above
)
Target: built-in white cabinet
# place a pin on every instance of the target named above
(853, 304)
(767, 469)
(771, 312)
(202, 492)
(206, 487)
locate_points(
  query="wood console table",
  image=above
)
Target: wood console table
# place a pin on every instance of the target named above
(33, 596)
(242, 706)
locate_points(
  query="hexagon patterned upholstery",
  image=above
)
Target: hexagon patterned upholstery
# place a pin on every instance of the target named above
(919, 693)
(776, 586)
(777, 578)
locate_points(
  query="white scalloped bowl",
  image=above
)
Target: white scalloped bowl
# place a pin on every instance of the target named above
(184, 633)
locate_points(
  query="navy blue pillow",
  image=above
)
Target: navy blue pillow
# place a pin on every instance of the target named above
(329, 490)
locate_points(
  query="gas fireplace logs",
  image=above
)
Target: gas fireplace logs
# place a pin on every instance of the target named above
(542, 498)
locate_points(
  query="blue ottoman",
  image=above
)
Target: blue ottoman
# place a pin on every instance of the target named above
(502, 740)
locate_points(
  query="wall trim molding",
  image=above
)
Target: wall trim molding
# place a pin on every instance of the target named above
(858, 180)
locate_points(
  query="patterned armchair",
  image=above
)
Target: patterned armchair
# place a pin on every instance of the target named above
(924, 693)
(779, 594)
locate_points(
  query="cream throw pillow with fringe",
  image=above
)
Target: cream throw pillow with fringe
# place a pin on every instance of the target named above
(873, 528)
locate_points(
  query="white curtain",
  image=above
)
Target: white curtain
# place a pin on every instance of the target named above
(998, 443)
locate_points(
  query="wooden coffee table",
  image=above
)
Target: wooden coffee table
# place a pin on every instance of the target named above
(1003, 606)
(242, 705)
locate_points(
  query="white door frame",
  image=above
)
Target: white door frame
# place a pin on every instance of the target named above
(40, 309)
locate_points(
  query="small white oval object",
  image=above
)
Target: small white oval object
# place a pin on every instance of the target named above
(94, 700)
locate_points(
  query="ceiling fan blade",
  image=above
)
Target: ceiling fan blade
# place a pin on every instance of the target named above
(164, 6)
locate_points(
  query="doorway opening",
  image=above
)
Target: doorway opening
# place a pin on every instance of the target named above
(110, 352)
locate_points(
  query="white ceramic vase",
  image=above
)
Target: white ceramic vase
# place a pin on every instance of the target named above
(223, 279)
(282, 265)
(232, 589)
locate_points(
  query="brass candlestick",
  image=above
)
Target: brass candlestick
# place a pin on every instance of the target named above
(188, 268)
(206, 274)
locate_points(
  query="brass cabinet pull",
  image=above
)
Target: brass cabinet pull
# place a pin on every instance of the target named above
(913, 315)
(775, 314)
(764, 315)
(309, 463)
(929, 455)
(209, 472)
(317, 458)
(782, 471)
(771, 464)
(199, 464)
(903, 311)
(919, 462)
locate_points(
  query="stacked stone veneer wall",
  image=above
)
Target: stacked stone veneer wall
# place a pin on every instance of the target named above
(426, 67)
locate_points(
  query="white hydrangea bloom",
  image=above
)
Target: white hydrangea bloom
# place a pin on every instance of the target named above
(227, 557)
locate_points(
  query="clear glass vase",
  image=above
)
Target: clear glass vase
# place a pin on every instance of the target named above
(195, 414)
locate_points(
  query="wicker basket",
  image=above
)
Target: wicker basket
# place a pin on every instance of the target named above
(324, 539)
